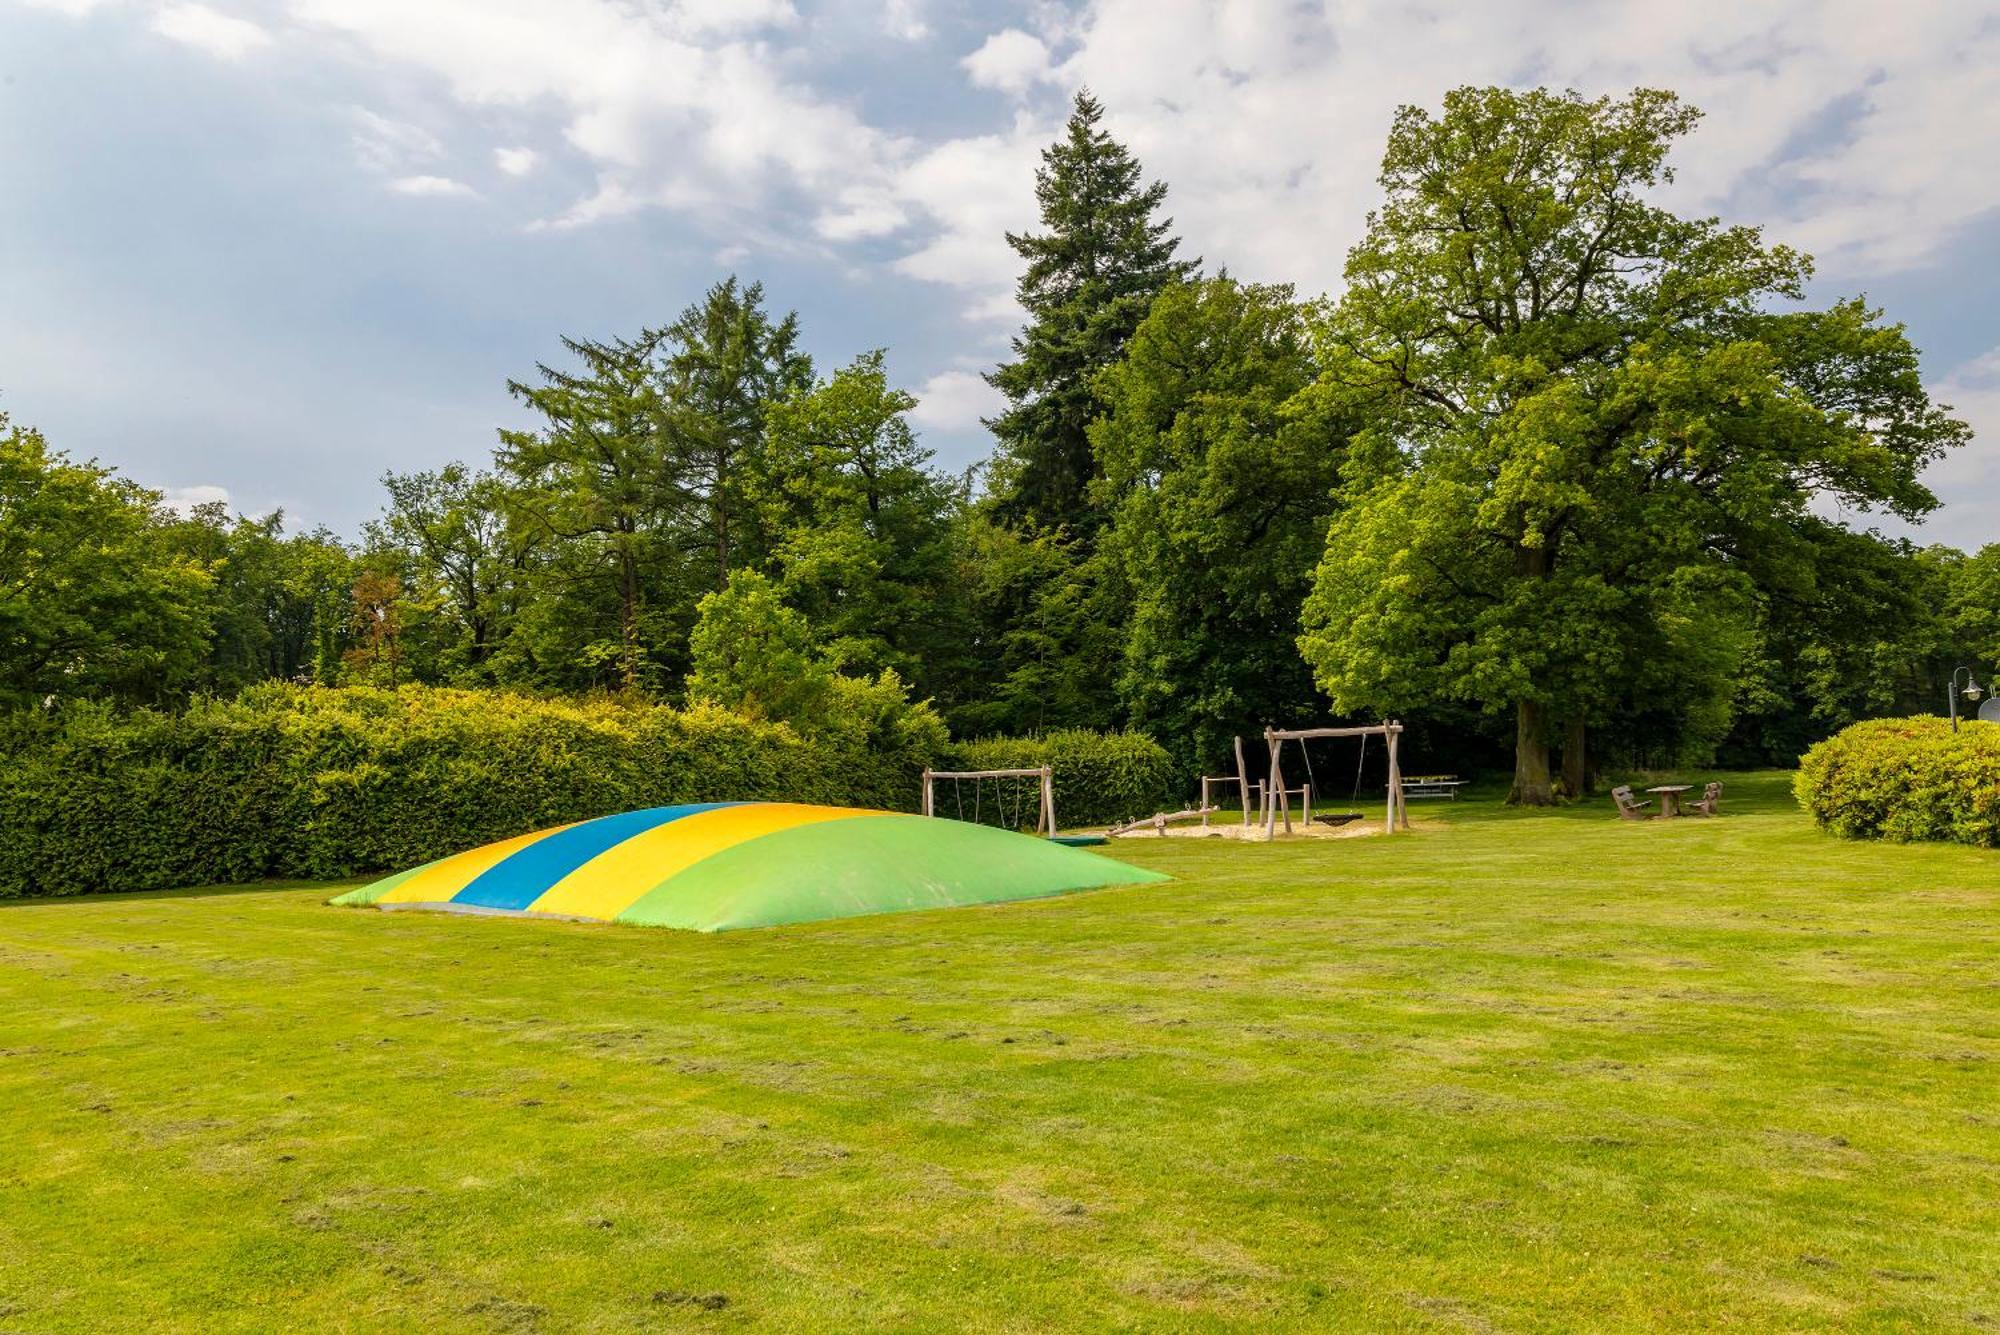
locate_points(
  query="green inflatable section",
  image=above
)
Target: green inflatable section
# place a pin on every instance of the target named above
(871, 864)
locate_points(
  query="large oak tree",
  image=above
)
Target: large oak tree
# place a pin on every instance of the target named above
(1594, 434)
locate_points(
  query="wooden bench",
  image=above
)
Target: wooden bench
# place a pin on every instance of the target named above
(1628, 806)
(1433, 785)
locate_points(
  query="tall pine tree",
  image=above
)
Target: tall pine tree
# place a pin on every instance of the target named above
(719, 368)
(1092, 275)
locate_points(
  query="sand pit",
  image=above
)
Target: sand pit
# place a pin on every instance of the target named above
(1235, 829)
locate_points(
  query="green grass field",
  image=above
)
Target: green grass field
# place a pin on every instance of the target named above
(1513, 1072)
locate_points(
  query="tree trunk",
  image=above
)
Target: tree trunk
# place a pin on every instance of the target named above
(1531, 758)
(721, 503)
(628, 616)
(1576, 769)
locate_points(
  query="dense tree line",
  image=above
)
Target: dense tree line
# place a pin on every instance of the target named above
(1551, 474)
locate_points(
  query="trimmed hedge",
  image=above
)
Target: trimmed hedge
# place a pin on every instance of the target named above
(1906, 779)
(319, 783)
(1100, 777)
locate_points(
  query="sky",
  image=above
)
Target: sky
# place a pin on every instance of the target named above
(266, 250)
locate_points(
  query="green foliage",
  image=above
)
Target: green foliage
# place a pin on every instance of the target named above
(1906, 779)
(635, 497)
(1100, 777)
(1218, 480)
(721, 367)
(1857, 631)
(1970, 587)
(307, 781)
(859, 528)
(447, 536)
(1048, 629)
(1552, 468)
(753, 654)
(590, 486)
(277, 603)
(1091, 276)
(95, 600)
(1588, 444)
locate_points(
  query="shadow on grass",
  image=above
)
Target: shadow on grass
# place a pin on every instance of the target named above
(1744, 792)
(188, 892)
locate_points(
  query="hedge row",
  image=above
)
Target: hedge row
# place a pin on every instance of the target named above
(1099, 777)
(311, 782)
(1906, 779)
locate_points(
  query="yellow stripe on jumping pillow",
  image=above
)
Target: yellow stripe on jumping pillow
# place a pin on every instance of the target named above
(623, 874)
(437, 883)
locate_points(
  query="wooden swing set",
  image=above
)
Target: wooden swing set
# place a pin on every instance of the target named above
(1267, 801)
(1045, 819)
(1275, 797)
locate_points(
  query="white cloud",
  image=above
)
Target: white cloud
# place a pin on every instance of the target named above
(1968, 480)
(956, 401)
(432, 187)
(384, 144)
(861, 211)
(516, 161)
(728, 16)
(74, 9)
(1010, 60)
(1847, 127)
(1843, 126)
(974, 191)
(670, 119)
(221, 35)
(905, 21)
(184, 500)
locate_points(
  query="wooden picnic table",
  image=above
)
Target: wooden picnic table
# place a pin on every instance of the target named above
(1432, 785)
(1670, 797)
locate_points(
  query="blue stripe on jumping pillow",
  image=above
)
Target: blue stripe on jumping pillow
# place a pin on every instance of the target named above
(519, 880)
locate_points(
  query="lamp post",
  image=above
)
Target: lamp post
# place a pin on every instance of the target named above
(1971, 689)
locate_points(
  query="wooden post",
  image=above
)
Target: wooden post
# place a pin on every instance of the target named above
(1273, 790)
(1389, 818)
(1396, 809)
(1402, 798)
(1270, 811)
(1242, 781)
(927, 791)
(1049, 797)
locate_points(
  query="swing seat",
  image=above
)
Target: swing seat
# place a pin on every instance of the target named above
(1336, 817)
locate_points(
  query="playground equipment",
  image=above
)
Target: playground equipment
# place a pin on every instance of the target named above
(1159, 820)
(1396, 814)
(1267, 802)
(714, 866)
(1045, 787)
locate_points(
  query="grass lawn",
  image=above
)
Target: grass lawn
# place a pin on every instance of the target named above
(1514, 1072)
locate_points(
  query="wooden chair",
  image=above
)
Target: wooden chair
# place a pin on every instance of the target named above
(1711, 801)
(1628, 806)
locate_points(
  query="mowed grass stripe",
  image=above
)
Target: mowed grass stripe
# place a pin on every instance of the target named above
(1518, 1071)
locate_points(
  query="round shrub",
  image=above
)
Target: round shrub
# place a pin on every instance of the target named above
(1906, 779)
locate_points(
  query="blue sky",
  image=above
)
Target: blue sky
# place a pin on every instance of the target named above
(268, 249)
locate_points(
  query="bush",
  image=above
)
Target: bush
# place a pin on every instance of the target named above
(1906, 779)
(314, 782)
(1099, 777)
